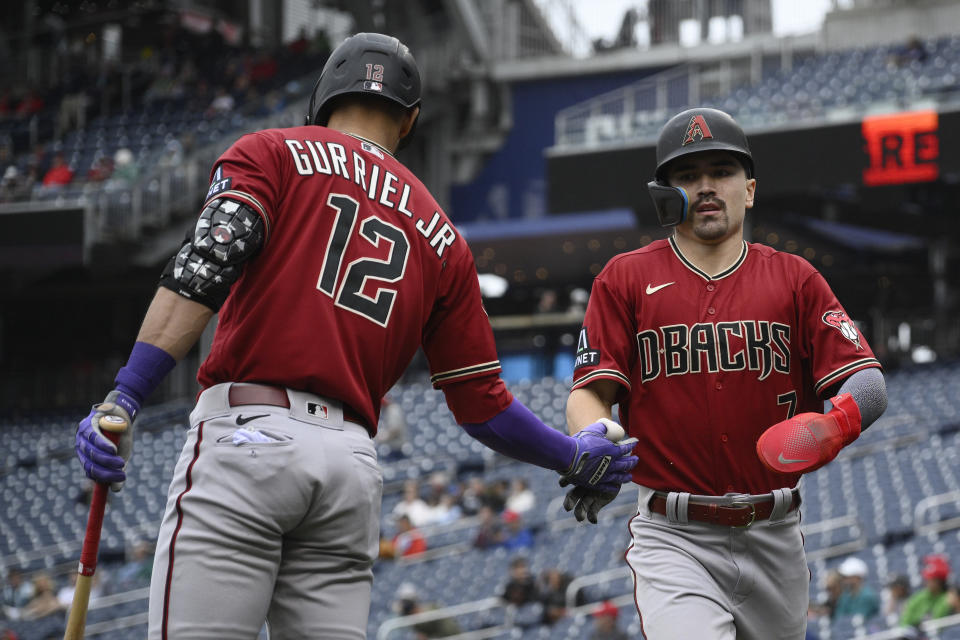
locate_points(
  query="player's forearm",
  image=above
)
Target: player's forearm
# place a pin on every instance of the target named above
(587, 405)
(869, 391)
(173, 323)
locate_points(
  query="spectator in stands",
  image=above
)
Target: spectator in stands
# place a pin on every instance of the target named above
(605, 623)
(223, 103)
(408, 603)
(553, 594)
(408, 541)
(125, 169)
(44, 601)
(446, 509)
(31, 103)
(893, 597)
(496, 495)
(65, 594)
(833, 587)
(931, 601)
(16, 593)
(59, 174)
(101, 169)
(412, 505)
(857, 598)
(520, 499)
(136, 570)
(15, 186)
(438, 484)
(473, 496)
(521, 587)
(490, 532)
(518, 536)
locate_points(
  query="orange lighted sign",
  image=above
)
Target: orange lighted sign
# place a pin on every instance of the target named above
(901, 148)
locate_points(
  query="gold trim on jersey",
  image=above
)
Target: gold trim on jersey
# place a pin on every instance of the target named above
(445, 376)
(249, 198)
(723, 274)
(831, 377)
(603, 373)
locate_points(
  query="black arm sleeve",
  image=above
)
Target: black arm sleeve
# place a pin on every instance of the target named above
(227, 234)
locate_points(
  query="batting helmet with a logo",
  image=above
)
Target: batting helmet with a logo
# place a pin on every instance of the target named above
(693, 131)
(370, 64)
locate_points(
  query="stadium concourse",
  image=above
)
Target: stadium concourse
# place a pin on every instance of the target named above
(889, 500)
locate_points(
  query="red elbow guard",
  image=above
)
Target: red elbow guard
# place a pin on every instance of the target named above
(808, 441)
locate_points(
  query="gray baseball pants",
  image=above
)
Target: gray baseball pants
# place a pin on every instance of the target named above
(284, 531)
(702, 581)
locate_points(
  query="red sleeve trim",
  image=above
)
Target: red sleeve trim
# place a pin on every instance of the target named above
(844, 371)
(464, 373)
(602, 374)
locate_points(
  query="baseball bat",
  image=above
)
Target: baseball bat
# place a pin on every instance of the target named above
(112, 427)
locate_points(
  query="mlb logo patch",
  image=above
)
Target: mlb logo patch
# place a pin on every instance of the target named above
(370, 85)
(319, 410)
(369, 148)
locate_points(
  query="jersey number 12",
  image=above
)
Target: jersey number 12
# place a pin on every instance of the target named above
(350, 294)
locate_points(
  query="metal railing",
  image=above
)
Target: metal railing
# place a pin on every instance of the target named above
(857, 540)
(928, 505)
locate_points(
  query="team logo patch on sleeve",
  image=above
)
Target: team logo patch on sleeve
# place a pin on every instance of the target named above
(586, 357)
(218, 184)
(840, 321)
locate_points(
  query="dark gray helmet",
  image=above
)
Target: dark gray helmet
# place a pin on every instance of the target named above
(370, 64)
(701, 129)
(693, 131)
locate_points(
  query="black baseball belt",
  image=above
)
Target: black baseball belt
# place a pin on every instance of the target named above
(720, 510)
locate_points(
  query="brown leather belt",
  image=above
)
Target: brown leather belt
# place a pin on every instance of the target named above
(241, 395)
(738, 514)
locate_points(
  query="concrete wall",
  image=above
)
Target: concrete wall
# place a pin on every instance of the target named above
(872, 26)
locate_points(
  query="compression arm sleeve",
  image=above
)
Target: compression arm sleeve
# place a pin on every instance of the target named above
(869, 392)
(516, 432)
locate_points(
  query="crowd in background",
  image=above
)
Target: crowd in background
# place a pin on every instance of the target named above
(176, 71)
(849, 592)
(45, 594)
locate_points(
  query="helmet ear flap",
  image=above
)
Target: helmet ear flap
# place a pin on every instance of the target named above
(671, 203)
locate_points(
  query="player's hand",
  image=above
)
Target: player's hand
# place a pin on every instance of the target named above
(599, 463)
(102, 460)
(586, 503)
(807, 441)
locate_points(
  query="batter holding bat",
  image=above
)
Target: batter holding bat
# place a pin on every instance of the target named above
(330, 264)
(737, 370)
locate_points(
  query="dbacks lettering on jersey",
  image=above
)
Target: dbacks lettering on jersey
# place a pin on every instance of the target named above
(330, 159)
(586, 357)
(755, 345)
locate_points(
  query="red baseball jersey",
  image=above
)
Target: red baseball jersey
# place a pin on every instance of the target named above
(706, 364)
(360, 266)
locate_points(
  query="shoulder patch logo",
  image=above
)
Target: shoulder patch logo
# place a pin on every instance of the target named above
(840, 321)
(586, 357)
(697, 130)
(218, 184)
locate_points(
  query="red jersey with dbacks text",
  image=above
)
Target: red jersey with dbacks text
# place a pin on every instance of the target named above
(707, 364)
(360, 266)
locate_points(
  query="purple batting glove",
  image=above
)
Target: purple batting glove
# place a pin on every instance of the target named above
(598, 463)
(102, 460)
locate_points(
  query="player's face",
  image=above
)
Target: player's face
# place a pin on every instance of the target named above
(719, 194)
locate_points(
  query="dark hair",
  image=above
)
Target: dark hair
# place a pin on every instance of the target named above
(397, 112)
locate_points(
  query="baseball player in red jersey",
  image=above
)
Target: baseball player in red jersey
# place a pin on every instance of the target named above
(330, 264)
(720, 355)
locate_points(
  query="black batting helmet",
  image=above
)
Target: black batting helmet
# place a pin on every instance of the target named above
(370, 64)
(692, 131)
(701, 129)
